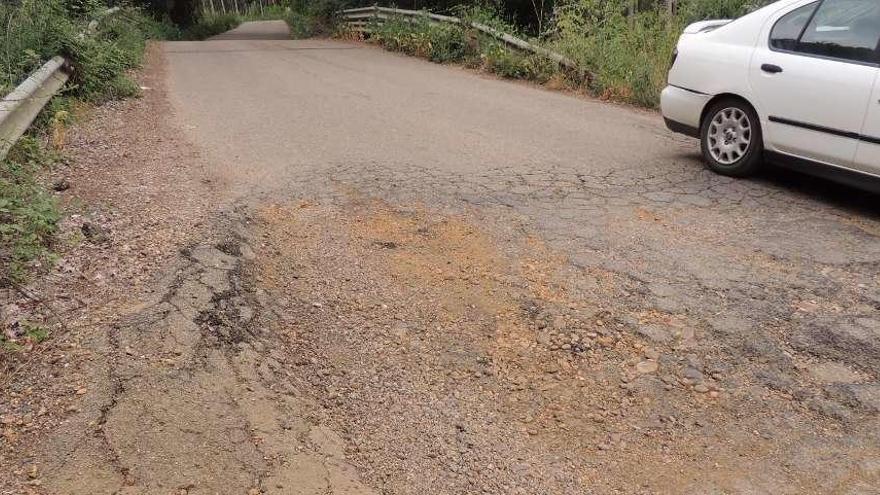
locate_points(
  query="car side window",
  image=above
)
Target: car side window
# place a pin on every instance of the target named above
(841, 29)
(845, 29)
(788, 28)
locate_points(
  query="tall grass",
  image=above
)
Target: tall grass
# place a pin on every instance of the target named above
(30, 34)
(630, 54)
(28, 214)
(267, 13)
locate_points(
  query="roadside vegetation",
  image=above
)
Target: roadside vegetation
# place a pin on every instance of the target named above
(208, 22)
(630, 49)
(443, 43)
(308, 18)
(101, 63)
(36, 30)
(626, 44)
(28, 213)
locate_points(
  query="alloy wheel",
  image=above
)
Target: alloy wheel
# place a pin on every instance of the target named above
(729, 136)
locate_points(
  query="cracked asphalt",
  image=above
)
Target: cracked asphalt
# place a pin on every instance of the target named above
(422, 279)
(607, 186)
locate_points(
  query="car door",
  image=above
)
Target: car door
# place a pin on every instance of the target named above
(812, 75)
(868, 156)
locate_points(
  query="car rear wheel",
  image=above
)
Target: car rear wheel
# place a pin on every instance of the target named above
(730, 138)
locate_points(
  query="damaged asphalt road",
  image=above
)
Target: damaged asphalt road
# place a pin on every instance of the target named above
(438, 282)
(193, 397)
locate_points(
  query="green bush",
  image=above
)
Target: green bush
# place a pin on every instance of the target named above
(448, 43)
(630, 55)
(308, 18)
(539, 69)
(487, 15)
(400, 35)
(40, 29)
(503, 62)
(694, 10)
(28, 215)
(437, 42)
(34, 31)
(82, 8)
(267, 13)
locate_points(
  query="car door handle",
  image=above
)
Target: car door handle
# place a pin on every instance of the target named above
(772, 69)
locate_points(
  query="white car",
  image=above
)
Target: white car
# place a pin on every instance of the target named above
(795, 82)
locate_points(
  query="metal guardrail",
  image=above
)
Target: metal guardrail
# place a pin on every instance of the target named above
(20, 108)
(360, 19)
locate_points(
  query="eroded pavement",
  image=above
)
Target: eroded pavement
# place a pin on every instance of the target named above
(548, 295)
(192, 397)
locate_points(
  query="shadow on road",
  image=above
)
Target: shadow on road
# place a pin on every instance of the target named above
(862, 201)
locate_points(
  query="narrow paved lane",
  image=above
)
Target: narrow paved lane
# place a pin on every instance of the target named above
(295, 106)
(426, 280)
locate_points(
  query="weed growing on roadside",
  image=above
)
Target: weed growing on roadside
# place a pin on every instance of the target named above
(24, 334)
(28, 214)
(630, 56)
(626, 45)
(630, 52)
(266, 13)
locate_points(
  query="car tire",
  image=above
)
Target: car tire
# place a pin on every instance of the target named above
(731, 138)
